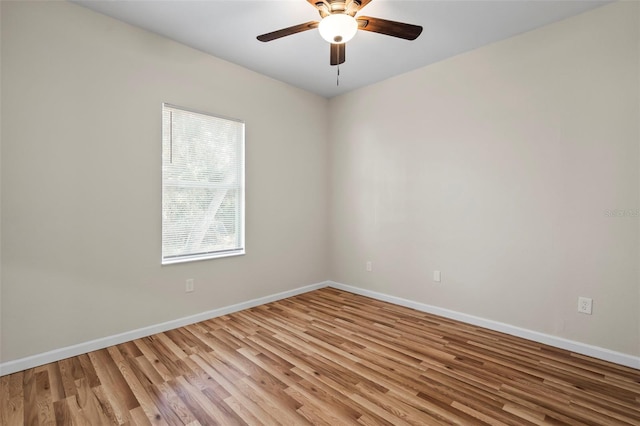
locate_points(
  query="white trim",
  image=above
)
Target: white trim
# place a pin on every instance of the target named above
(104, 342)
(82, 348)
(547, 339)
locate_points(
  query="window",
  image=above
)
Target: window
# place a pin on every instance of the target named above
(202, 186)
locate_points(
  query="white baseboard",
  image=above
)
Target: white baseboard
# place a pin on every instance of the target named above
(558, 342)
(81, 348)
(93, 345)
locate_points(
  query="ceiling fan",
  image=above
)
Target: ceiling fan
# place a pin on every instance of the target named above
(339, 24)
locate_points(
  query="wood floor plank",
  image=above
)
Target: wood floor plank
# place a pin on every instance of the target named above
(118, 394)
(327, 357)
(12, 399)
(88, 403)
(67, 377)
(237, 398)
(30, 403)
(55, 382)
(131, 373)
(61, 410)
(197, 404)
(311, 411)
(44, 398)
(139, 417)
(150, 363)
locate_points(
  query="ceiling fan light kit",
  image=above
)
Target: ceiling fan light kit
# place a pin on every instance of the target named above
(339, 24)
(338, 28)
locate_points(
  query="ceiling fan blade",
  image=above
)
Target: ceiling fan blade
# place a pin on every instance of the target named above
(288, 31)
(337, 53)
(390, 28)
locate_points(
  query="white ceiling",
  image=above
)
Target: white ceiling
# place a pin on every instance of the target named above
(228, 30)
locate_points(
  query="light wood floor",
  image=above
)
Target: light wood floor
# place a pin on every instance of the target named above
(325, 357)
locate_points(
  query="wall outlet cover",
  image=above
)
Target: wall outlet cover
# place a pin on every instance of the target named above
(585, 305)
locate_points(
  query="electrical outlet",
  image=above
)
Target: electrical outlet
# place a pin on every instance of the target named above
(189, 286)
(369, 266)
(584, 305)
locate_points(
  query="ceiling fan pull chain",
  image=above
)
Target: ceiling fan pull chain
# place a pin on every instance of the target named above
(338, 77)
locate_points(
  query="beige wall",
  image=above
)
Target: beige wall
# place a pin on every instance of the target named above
(496, 167)
(0, 185)
(81, 151)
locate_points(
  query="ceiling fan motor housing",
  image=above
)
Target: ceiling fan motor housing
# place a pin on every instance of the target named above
(329, 7)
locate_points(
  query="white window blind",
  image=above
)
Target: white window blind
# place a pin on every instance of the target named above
(202, 186)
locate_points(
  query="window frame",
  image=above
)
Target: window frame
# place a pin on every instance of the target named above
(241, 249)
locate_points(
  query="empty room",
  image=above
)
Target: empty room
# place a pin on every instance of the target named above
(325, 212)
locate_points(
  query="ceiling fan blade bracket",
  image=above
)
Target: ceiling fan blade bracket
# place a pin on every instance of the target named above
(362, 23)
(352, 7)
